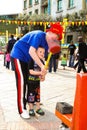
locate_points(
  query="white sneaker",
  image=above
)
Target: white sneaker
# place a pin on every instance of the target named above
(25, 114)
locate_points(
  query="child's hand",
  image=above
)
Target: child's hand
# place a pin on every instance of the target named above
(44, 71)
(42, 78)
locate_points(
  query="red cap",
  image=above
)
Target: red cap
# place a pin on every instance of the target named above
(56, 28)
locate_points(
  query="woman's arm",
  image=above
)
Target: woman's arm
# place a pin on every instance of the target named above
(32, 72)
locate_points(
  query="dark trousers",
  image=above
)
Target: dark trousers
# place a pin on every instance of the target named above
(52, 64)
(71, 61)
(8, 64)
(21, 73)
(76, 64)
(81, 66)
(33, 94)
(12, 65)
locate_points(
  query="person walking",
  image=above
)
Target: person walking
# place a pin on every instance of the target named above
(10, 45)
(82, 52)
(71, 50)
(23, 51)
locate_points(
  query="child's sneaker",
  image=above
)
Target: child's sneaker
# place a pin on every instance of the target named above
(31, 112)
(40, 112)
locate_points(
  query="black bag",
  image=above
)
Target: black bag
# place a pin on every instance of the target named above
(64, 108)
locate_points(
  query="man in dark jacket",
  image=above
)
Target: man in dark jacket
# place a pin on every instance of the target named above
(71, 50)
(10, 45)
(82, 51)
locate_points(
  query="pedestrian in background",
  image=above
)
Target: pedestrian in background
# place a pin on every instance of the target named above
(82, 51)
(5, 54)
(23, 51)
(7, 59)
(71, 51)
(10, 45)
(53, 62)
(64, 61)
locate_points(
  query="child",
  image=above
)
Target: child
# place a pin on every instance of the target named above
(33, 95)
(7, 58)
(64, 61)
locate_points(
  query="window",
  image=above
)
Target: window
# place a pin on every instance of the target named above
(71, 3)
(36, 11)
(25, 4)
(69, 38)
(36, 1)
(59, 5)
(45, 10)
(30, 2)
(30, 13)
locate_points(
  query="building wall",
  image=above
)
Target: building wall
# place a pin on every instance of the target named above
(78, 5)
(32, 8)
(66, 10)
(53, 8)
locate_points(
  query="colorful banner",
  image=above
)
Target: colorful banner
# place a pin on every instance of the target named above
(19, 22)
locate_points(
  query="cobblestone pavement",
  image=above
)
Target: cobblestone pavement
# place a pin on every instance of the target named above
(59, 86)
